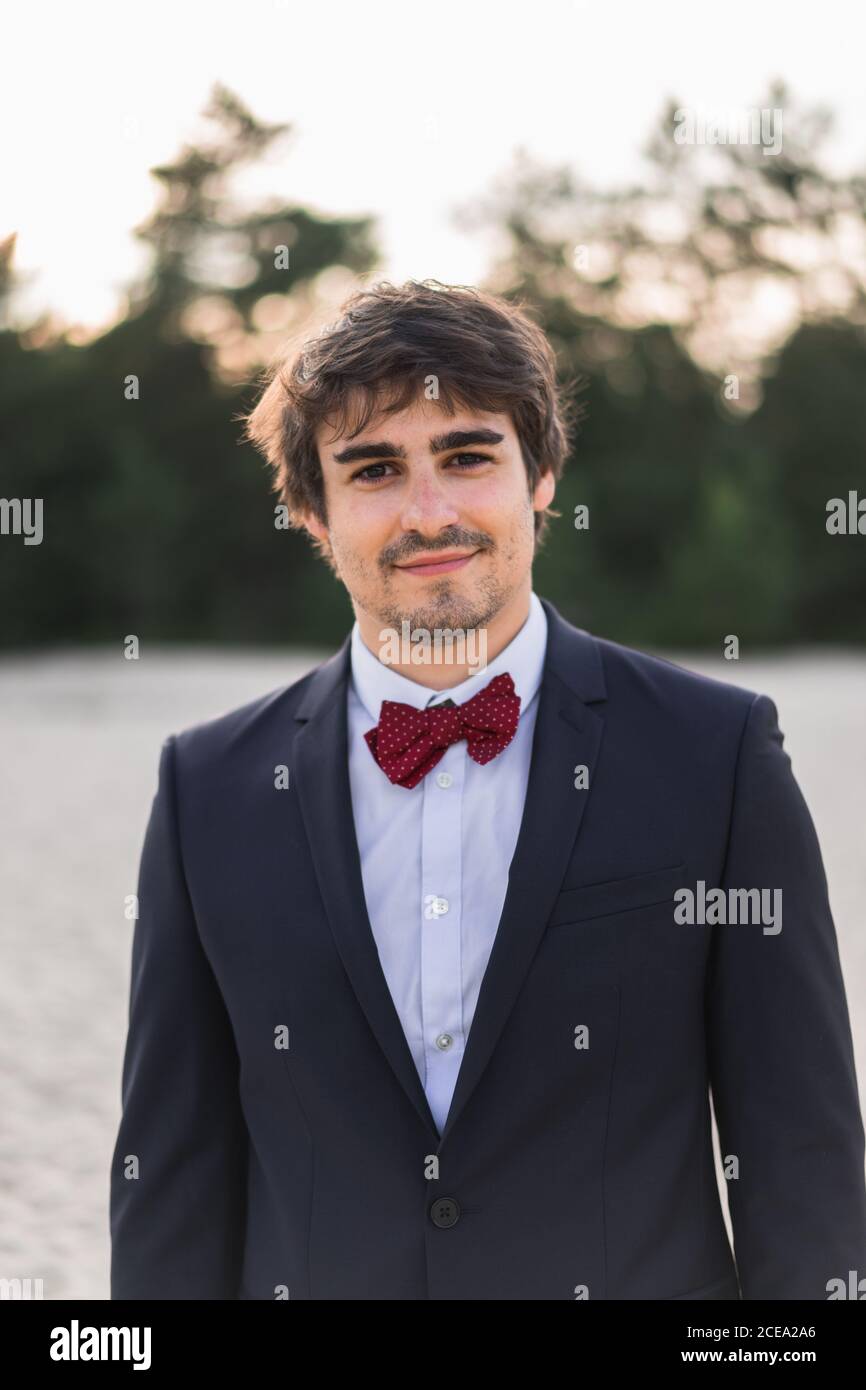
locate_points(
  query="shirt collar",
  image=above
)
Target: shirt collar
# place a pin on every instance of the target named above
(523, 658)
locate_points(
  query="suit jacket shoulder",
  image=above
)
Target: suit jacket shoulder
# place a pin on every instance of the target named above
(642, 677)
(212, 741)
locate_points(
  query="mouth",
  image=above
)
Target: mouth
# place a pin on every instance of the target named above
(442, 565)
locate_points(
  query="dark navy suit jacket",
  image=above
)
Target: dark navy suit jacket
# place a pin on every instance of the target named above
(314, 1170)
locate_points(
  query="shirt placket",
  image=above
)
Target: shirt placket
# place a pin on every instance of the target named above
(441, 914)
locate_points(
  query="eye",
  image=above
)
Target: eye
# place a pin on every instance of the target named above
(472, 460)
(369, 474)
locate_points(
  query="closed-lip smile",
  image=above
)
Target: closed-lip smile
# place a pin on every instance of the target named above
(440, 563)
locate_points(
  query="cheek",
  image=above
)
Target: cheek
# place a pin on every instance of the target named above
(497, 504)
(362, 523)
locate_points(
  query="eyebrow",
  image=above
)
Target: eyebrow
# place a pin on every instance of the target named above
(439, 444)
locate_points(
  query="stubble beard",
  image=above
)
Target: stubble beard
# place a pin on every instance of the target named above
(444, 607)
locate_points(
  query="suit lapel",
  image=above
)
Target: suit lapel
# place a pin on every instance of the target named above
(567, 734)
(320, 771)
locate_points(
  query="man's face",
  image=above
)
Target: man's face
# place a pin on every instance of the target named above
(430, 518)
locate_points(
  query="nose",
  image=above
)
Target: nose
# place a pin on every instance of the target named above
(427, 506)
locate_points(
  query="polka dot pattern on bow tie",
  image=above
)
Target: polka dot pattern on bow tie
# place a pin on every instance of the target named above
(408, 742)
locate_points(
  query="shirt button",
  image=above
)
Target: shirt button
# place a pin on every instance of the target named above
(444, 779)
(444, 1041)
(434, 906)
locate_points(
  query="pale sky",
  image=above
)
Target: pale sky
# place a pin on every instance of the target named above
(401, 111)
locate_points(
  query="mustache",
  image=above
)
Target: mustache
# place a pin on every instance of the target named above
(455, 540)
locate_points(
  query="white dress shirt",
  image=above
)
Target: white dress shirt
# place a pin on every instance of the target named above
(435, 858)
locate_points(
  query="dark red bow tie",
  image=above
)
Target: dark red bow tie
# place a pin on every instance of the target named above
(408, 742)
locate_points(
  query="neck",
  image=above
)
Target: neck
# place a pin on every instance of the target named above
(456, 662)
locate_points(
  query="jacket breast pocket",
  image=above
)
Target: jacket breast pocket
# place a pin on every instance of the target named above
(636, 894)
(628, 925)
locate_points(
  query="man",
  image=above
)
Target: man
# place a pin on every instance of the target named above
(427, 1002)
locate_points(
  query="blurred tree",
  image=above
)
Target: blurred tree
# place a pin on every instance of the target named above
(156, 521)
(813, 423)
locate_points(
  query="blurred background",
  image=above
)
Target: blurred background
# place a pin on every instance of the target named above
(711, 296)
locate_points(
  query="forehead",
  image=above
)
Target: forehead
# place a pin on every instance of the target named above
(412, 427)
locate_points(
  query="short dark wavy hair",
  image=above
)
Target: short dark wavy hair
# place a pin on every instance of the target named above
(485, 352)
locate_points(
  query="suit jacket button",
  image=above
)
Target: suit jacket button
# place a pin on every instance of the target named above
(444, 1212)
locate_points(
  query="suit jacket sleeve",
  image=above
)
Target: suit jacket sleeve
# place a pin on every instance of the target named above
(176, 1227)
(779, 1045)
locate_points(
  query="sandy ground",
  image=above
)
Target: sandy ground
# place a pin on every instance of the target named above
(80, 735)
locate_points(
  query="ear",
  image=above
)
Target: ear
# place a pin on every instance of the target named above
(544, 489)
(321, 537)
(316, 528)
